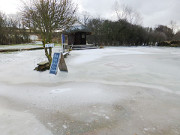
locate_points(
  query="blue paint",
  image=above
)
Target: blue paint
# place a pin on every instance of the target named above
(54, 64)
(63, 38)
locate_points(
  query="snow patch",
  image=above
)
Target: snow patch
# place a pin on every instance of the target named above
(64, 126)
(60, 91)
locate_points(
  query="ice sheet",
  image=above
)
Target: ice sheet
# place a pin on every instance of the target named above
(127, 90)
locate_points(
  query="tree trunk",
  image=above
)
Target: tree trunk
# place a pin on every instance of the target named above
(48, 53)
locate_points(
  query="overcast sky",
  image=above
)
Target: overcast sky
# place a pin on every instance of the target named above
(153, 12)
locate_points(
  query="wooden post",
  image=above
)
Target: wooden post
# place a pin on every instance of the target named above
(62, 64)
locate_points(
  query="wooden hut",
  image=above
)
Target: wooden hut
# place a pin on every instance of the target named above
(77, 34)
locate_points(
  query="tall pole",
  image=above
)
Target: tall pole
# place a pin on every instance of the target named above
(63, 41)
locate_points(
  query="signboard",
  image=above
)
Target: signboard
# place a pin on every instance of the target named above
(63, 39)
(49, 45)
(55, 63)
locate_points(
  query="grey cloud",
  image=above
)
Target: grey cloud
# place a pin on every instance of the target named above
(153, 11)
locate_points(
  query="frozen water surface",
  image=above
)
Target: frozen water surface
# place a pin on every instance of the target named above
(111, 91)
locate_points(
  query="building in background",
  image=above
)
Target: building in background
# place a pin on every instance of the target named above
(77, 34)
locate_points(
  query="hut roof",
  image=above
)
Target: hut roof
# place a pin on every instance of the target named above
(77, 28)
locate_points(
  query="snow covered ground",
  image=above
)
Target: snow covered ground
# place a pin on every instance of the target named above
(111, 91)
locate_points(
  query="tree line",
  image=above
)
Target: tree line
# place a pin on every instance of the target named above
(127, 29)
(12, 31)
(122, 32)
(61, 14)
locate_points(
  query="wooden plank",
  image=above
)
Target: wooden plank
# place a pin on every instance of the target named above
(62, 64)
(25, 49)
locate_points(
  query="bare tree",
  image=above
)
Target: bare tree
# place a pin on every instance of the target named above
(173, 26)
(127, 13)
(120, 11)
(84, 18)
(177, 36)
(2, 28)
(2, 20)
(46, 16)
